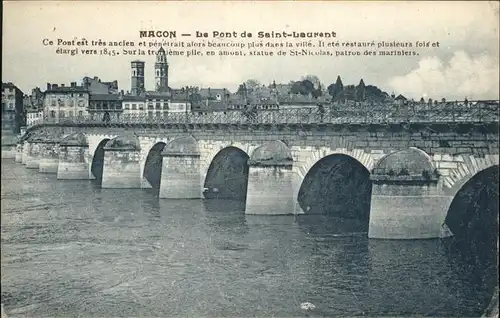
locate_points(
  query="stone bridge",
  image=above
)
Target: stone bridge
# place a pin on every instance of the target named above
(399, 178)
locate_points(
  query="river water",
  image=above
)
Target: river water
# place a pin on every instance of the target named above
(70, 248)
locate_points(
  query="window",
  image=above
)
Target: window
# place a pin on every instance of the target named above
(150, 114)
(80, 113)
(52, 114)
(71, 102)
(158, 114)
(127, 106)
(104, 105)
(134, 106)
(158, 106)
(165, 114)
(62, 114)
(80, 95)
(141, 106)
(53, 102)
(70, 113)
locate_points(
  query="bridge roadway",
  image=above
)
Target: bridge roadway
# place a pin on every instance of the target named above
(402, 167)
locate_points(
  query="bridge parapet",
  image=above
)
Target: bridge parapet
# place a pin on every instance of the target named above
(470, 112)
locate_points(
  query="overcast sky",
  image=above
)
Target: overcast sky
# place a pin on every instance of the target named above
(465, 64)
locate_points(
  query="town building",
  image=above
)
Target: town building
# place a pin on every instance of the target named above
(13, 117)
(137, 80)
(156, 104)
(208, 100)
(133, 106)
(96, 86)
(65, 102)
(104, 98)
(33, 107)
(102, 104)
(33, 117)
(180, 101)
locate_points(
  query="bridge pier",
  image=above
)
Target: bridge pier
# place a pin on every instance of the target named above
(19, 152)
(8, 151)
(407, 200)
(121, 164)
(26, 150)
(273, 186)
(272, 190)
(33, 156)
(49, 157)
(180, 174)
(73, 158)
(407, 210)
(180, 177)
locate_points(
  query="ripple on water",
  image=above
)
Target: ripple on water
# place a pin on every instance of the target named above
(69, 249)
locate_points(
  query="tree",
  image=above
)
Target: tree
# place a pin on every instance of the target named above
(360, 91)
(304, 87)
(335, 89)
(252, 84)
(313, 79)
(317, 92)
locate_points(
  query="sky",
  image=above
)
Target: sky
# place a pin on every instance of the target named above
(466, 63)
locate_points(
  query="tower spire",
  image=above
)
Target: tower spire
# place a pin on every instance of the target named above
(161, 71)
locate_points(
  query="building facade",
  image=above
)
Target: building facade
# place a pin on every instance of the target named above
(96, 86)
(102, 106)
(33, 117)
(65, 102)
(157, 104)
(13, 115)
(133, 106)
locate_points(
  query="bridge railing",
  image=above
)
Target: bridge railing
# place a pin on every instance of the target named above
(372, 114)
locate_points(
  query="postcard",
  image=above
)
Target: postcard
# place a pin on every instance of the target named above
(250, 158)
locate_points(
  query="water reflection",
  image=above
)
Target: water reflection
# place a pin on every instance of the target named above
(70, 248)
(226, 216)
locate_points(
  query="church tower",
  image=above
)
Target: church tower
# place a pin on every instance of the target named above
(137, 79)
(161, 71)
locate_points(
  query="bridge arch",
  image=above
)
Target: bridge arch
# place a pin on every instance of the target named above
(153, 165)
(475, 206)
(473, 219)
(227, 174)
(337, 185)
(97, 166)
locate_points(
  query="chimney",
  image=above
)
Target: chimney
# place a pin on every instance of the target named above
(73, 84)
(62, 85)
(96, 78)
(49, 86)
(54, 86)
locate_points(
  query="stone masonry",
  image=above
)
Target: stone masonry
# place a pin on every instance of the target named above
(456, 152)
